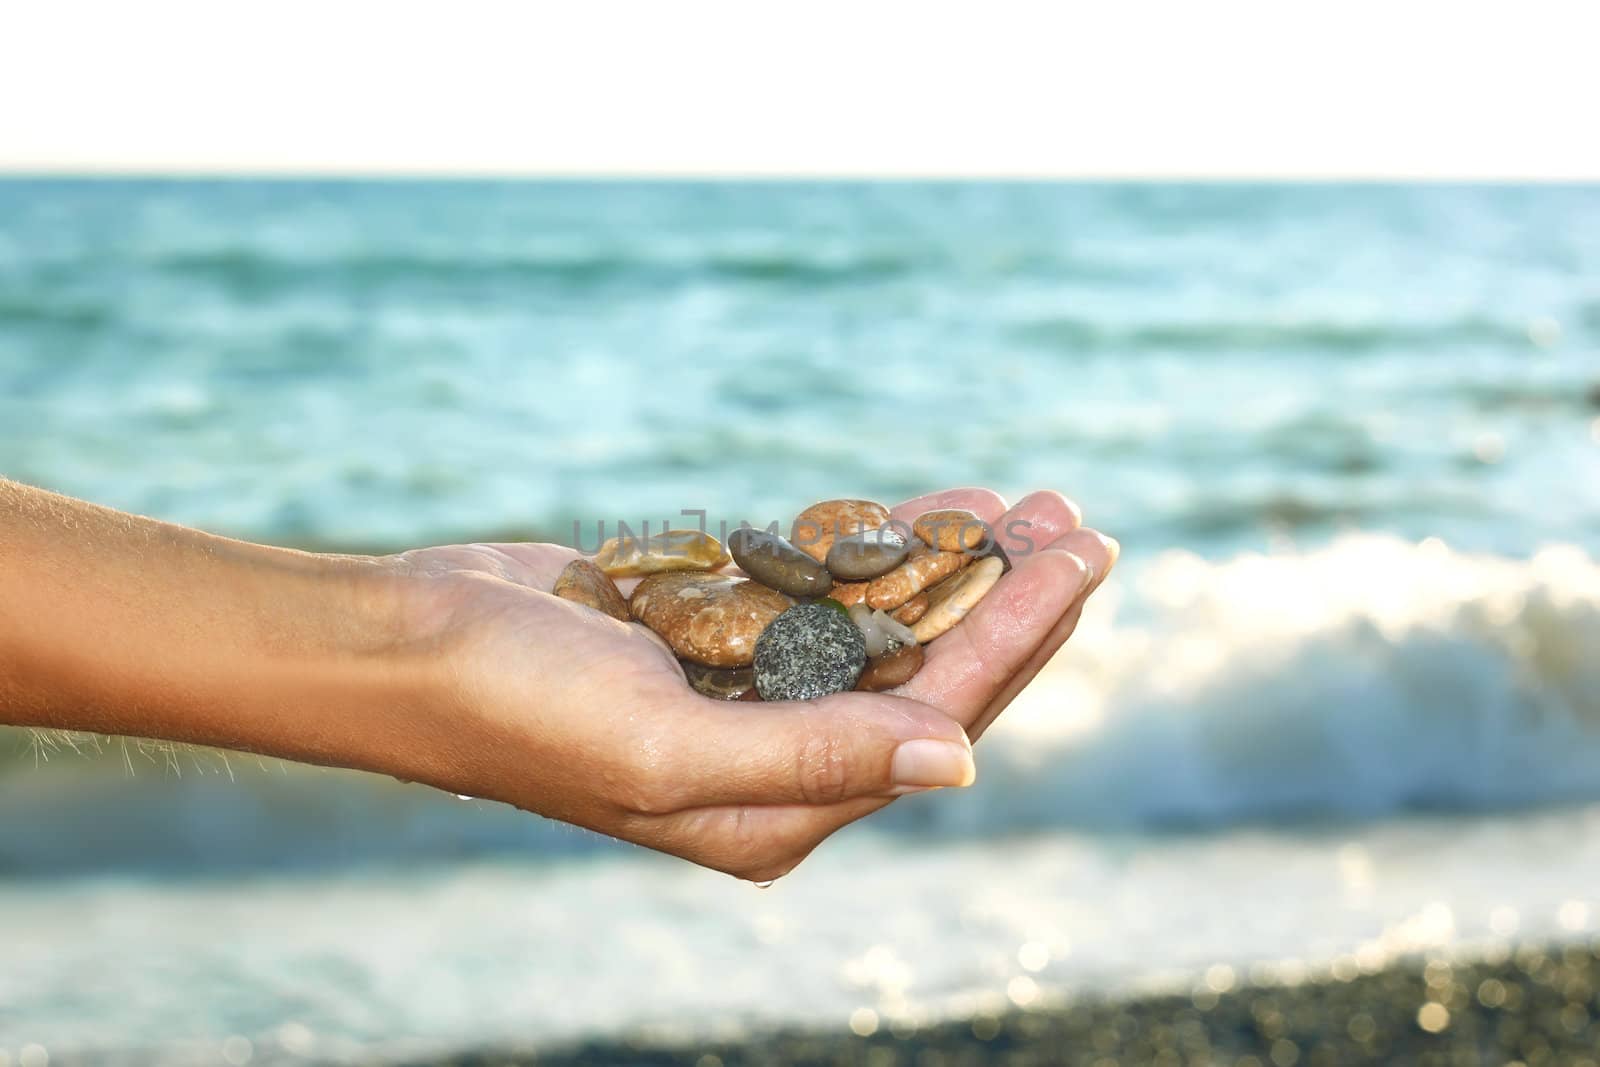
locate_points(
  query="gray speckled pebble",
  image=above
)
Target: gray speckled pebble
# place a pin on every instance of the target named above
(807, 652)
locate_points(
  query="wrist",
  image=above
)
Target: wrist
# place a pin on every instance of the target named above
(368, 685)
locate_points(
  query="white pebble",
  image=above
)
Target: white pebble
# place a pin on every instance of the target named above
(895, 630)
(866, 621)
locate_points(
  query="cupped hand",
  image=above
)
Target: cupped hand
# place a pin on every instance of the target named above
(564, 711)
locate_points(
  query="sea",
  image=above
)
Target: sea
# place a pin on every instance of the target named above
(1339, 704)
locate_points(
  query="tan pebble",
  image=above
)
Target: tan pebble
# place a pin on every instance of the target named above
(913, 609)
(816, 528)
(712, 619)
(891, 669)
(924, 567)
(950, 602)
(848, 593)
(951, 529)
(584, 583)
(672, 550)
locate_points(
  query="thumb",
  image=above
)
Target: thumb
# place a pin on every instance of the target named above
(820, 752)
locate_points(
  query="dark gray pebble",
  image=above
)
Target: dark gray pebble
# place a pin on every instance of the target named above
(809, 651)
(867, 554)
(991, 547)
(775, 563)
(719, 683)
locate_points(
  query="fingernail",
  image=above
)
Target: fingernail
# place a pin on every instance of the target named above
(927, 763)
(1086, 575)
(1113, 549)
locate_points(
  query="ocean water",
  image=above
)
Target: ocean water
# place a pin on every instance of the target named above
(1340, 701)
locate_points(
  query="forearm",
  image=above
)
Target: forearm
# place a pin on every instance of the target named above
(124, 625)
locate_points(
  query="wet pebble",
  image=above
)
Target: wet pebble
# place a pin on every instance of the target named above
(774, 562)
(867, 554)
(912, 610)
(848, 593)
(880, 631)
(949, 602)
(712, 619)
(951, 529)
(719, 683)
(584, 583)
(816, 528)
(809, 651)
(671, 550)
(923, 567)
(891, 669)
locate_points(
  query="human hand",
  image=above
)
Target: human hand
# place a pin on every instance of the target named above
(561, 710)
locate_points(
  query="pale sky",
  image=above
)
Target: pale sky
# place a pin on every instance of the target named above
(1223, 88)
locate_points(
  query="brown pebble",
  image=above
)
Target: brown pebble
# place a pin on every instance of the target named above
(719, 683)
(753, 694)
(912, 610)
(922, 568)
(713, 619)
(816, 528)
(583, 583)
(891, 669)
(848, 593)
(951, 529)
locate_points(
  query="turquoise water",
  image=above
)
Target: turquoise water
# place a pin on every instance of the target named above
(1209, 366)
(1340, 699)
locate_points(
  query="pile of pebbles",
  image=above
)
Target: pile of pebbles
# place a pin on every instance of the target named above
(847, 601)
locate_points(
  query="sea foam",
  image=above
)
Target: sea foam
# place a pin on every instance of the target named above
(1366, 677)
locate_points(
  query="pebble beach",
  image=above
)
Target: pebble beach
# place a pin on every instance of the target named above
(1532, 1006)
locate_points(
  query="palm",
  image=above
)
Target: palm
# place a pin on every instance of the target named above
(603, 701)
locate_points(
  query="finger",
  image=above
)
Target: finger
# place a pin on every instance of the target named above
(967, 668)
(1058, 637)
(1036, 520)
(810, 752)
(987, 504)
(1047, 649)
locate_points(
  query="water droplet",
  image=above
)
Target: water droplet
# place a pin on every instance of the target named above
(765, 885)
(465, 796)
